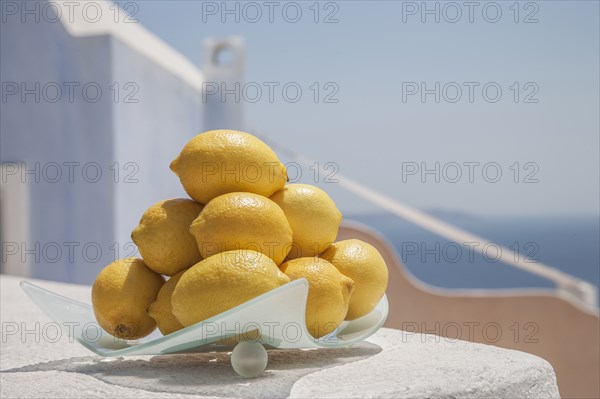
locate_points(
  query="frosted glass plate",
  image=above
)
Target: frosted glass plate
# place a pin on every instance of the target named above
(278, 314)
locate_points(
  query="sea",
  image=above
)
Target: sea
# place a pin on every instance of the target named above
(571, 244)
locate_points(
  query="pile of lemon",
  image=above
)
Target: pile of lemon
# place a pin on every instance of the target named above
(244, 232)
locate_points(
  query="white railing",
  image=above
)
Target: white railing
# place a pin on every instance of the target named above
(580, 289)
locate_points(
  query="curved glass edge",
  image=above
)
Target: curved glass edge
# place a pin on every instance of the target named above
(336, 339)
(141, 348)
(333, 340)
(29, 289)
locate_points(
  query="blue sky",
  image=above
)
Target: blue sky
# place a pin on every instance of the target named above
(378, 50)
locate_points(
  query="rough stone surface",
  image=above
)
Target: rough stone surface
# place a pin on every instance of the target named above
(392, 364)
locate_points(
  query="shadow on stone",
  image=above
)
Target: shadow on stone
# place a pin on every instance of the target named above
(208, 374)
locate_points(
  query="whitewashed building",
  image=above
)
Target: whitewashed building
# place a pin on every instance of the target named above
(94, 109)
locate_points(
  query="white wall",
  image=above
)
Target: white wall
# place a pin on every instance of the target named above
(42, 133)
(150, 134)
(78, 213)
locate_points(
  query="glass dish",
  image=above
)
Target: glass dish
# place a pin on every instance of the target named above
(277, 314)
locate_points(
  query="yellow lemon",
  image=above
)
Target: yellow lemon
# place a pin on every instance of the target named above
(329, 293)
(243, 221)
(313, 217)
(365, 266)
(222, 282)
(161, 310)
(163, 236)
(121, 295)
(224, 161)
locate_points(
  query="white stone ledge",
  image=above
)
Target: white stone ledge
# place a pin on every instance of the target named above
(392, 364)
